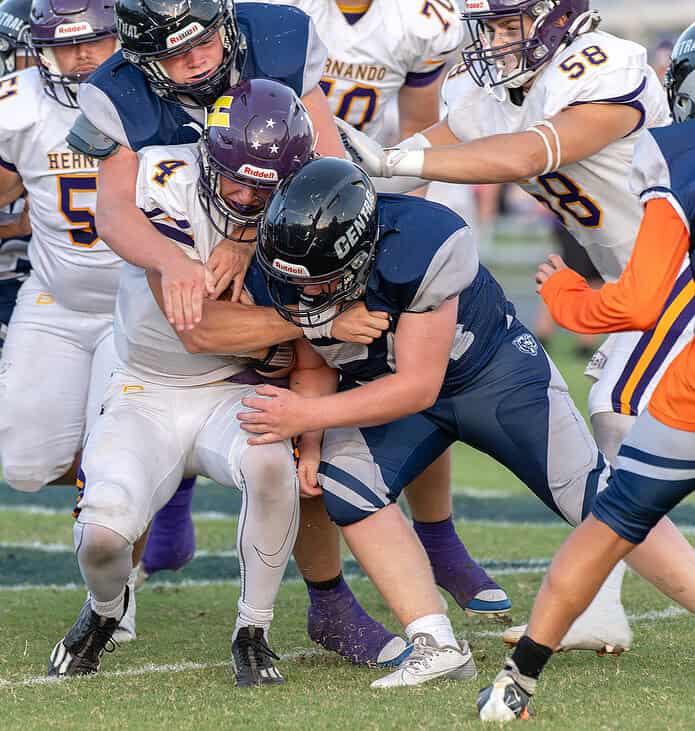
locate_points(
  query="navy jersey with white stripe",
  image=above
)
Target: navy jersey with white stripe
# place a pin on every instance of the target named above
(426, 254)
(281, 45)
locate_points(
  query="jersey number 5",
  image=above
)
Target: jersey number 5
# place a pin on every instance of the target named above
(85, 233)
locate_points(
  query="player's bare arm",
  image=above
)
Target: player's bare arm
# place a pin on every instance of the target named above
(128, 232)
(234, 327)
(326, 134)
(310, 378)
(504, 157)
(413, 388)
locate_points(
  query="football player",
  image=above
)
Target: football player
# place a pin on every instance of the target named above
(169, 413)
(14, 218)
(387, 54)
(59, 343)
(537, 76)
(175, 61)
(485, 378)
(655, 469)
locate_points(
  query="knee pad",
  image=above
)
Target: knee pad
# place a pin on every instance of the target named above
(96, 546)
(269, 472)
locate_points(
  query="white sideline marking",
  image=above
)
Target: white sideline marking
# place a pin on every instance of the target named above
(152, 669)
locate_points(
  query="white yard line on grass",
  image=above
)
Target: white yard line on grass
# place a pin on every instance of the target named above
(151, 669)
(671, 612)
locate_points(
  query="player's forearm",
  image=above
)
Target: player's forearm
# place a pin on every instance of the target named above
(379, 402)
(499, 159)
(232, 328)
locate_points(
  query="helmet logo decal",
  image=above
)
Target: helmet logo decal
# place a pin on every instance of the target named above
(685, 46)
(67, 30)
(477, 5)
(295, 269)
(185, 34)
(219, 115)
(343, 244)
(126, 29)
(259, 173)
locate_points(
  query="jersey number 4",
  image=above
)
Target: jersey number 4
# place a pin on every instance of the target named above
(84, 233)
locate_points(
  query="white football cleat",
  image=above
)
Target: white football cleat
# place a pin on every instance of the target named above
(429, 661)
(125, 632)
(606, 633)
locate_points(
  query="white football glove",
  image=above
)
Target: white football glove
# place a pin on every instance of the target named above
(363, 150)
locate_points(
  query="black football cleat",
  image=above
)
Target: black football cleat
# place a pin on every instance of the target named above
(80, 651)
(252, 659)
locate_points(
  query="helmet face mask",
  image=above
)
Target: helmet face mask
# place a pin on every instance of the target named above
(680, 77)
(545, 27)
(153, 31)
(56, 23)
(256, 134)
(319, 233)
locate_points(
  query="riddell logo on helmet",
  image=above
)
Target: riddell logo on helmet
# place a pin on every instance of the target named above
(66, 30)
(181, 36)
(259, 173)
(477, 5)
(295, 269)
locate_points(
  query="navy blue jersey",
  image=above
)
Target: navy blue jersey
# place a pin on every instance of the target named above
(426, 254)
(282, 45)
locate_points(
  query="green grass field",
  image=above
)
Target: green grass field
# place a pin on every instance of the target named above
(177, 672)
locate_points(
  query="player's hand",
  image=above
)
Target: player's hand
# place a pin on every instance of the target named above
(357, 324)
(553, 265)
(278, 414)
(228, 264)
(308, 467)
(184, 284)
(363, 150)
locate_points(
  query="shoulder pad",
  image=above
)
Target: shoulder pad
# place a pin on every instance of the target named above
(84, 137)
(439, 22)
(273, 55)
(20, 94)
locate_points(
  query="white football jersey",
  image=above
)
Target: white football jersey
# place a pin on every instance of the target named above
(368, 62)
(145, 341)
(12, 251)
(591, 197)
(77, 268)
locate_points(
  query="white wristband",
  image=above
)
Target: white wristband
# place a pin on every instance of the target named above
(417, 142)
(316, 332)
(405, 162)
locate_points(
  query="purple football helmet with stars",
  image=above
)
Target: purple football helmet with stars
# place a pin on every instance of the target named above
(554, 25)
(256, 134)
(64, 23)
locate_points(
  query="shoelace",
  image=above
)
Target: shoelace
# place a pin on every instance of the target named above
(259, 647)
(101, 640)
(421, 656)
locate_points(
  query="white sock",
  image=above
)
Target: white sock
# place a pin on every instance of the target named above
(113, 608)
(249, 616)
(437, 625)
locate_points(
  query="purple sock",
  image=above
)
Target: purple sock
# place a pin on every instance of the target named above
(452, 565)
(337, 622)
(171, 544)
